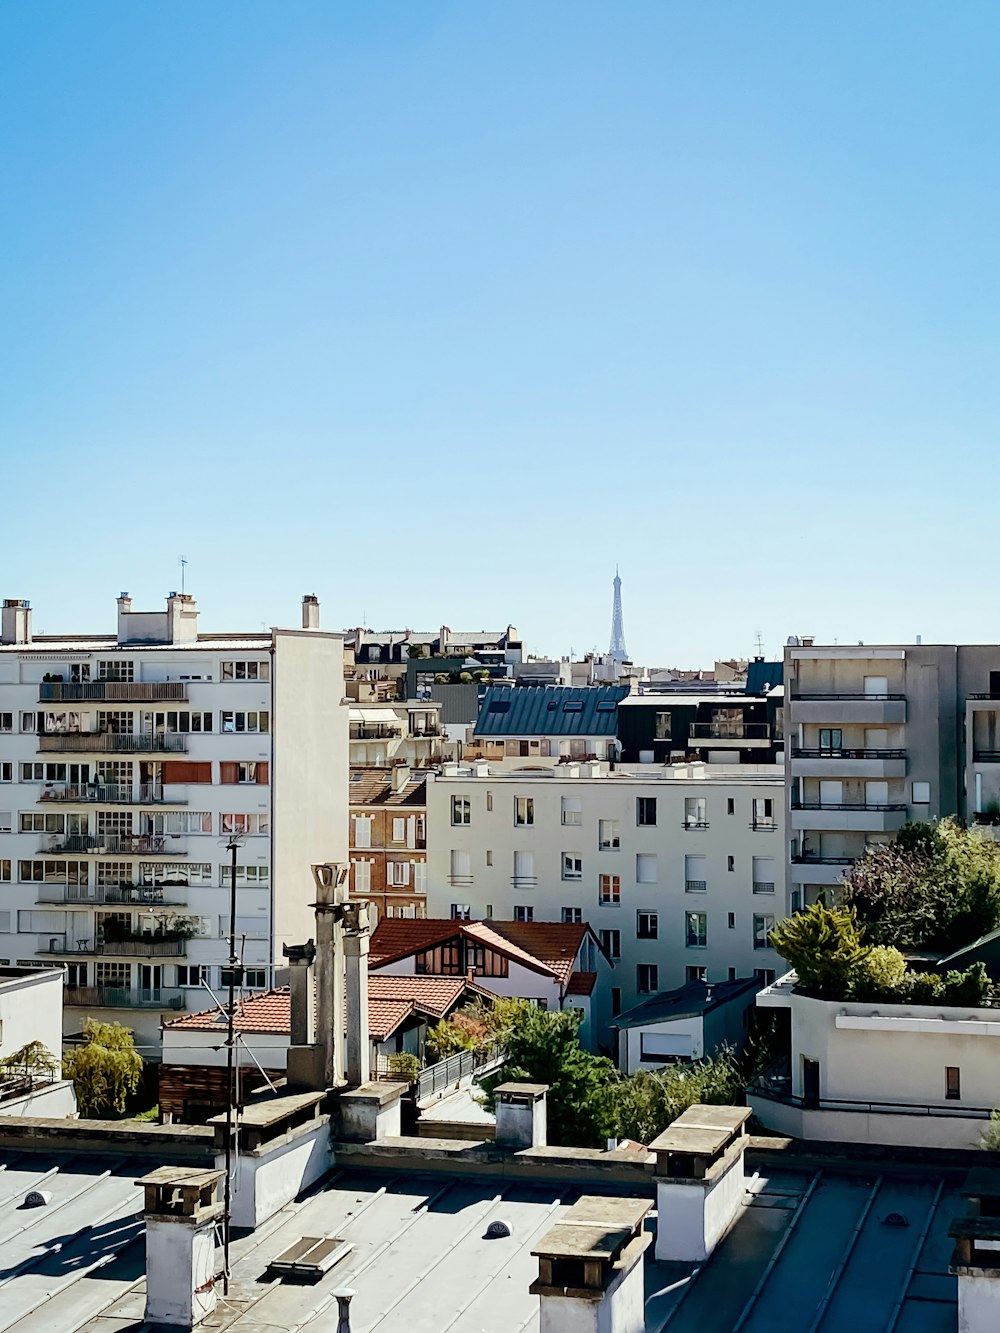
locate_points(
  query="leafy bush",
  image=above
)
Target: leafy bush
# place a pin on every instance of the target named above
(923, 987)
(105, 1070)
(971, 987)
(645, 1104)
(32, 1058)
(449, 1036)
(824, 945)
(990, 1138)
(404, 1065)
(881, 972)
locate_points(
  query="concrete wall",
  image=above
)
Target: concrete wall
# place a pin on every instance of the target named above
(31, 1010)
(692, 1217)
(916, 1131)
(276, 1173)
(978, 1304)
(310, 778)
(621, 1311)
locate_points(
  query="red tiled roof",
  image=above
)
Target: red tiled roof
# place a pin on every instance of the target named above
(544, 946)
(582, 983)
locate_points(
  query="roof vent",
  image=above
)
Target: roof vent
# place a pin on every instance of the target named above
(310, 1257)
(37, 1198)
(894, 1220)
(496, 1231)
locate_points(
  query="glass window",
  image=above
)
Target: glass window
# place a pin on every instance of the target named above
(572, 866)
(608, 835)
(645, 811)
(696, 930)
(696, 974)
(524, 810)
(662, 726)
(524, 913)
(524, 870)
(647, 978)
(695, 812)
(611, 943)
(572, 810)
(646, 925)
(696, 874)
(609, 890)
(572, 916)
(461, 810)
(762, 927)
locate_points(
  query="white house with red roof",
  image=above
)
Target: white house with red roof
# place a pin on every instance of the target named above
(558, 965)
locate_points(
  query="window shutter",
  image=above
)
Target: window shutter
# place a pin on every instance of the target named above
(228, 773)
(420, 876)
(262, 771)
(362, 831)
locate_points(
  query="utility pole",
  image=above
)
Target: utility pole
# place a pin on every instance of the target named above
(232, 847)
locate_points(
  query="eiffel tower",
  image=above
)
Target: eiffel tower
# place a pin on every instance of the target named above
(617, 652)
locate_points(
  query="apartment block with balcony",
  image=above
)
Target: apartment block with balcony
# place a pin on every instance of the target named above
(733, 726)
(128, 765)
(385, 733)
(532, 726)
(678, 869)
(388, 839)
(879, 735)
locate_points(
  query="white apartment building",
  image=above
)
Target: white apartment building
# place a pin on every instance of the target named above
(678, 869)
(128, 764)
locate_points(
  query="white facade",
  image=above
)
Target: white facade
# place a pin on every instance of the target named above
(127, 763)
(679, 870)
(884, 1073)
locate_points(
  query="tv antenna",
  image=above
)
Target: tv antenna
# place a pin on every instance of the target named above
(759, 641)
(183, 564)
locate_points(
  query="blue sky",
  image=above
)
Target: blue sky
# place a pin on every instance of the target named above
(440, 309)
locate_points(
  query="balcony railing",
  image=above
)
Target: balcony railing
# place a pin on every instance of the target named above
(695, 823)
(122, 844)
(97, 742)
(123, 997)
(95, 793)
(986, 756)
(695, 885)
(112, 895)
(849, 805)
(730, 731)
(986, 694)
(460, 881)
(143, 946)
(377, 733)
(799, 752)
(764, 825)
(763, 886)
(117, 691)
(862, 698)
(421, 732)
(808, 859)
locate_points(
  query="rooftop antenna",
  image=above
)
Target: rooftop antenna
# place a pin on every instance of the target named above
(183, 564)
(235, 839)
(759, 640)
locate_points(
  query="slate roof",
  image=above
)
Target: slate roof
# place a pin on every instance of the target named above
(760, 674)
(549, 947)
(690, 1001)
(532, 710)
(373, 786)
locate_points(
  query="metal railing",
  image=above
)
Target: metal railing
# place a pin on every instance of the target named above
(986, 756)
(808, 859)
(985, 694)
(96, 793)
(379, 733)
(695, 823)
(437, 1077)
(118, 742)
(764, 825)
(730, 731)
(118, 691)
(848, 805)
(761, 1088)
(842, 752)
(862, 698)
(111, 895)
(763, 886)
(123, 997)
(119, 844)
(143, 947)
(695, 885)
(524, 881)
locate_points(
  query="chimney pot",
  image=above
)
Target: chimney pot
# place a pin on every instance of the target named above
(310, 611)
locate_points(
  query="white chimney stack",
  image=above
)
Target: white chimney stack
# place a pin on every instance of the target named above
(15, 626)
(181, 1212)
(700, 1180)
(310, 611)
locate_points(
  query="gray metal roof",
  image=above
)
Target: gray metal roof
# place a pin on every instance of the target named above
(697, 997)
(553, 710)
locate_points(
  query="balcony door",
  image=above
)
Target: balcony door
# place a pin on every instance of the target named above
(810, 1082)
(876, 793)
(831, 792)
(150, 981)
(876, 685)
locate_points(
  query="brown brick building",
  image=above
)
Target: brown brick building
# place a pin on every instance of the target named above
(388, 839)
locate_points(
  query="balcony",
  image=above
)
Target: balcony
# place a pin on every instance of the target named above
(763, 886)
(137, 946)
(111, 691)
(734, 735)
(848, 709)
(846, 762)
(103, 742)
(986, 757)
(694, 824)
(825, 870)
(376, 733)
(764, 826)
(130, 844)
(862, 817)
(94, 793)
(696, 886)
(112, 895)
(123, 997)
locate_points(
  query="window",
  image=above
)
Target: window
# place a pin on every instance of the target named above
(461, 912)
(730, 806)
(524, 913)
(192, 974)
(662, 726)
(952, 1083)
(29, 721)
(232, 774)
(252, 876)
(176, 821)
(920, 793)
(647, 978)
(122, 670)
(460, 867)
(694, 812)
(572, 916)
(257, 722)
(608, 835)
(249, 825)
(572, 810)
(34, 822)
(180, 721)
(489, 801)
(6, 721)
(524, 811)
(362, 830)
(255, 977)
(245, 670)
(524, 870)
(616, 1001)
(646, 925)
(696, 930)
(646, 868)
(645, 811)
(695, 874)
(730, 863)
(762, 927)
(611, 943)
(362, 877)
(399, 830)
(831, 738)
(489, 857)
(113, 976)
(876, 687)
(731, 920)
(763, 813)
(6, 772)
(765, 975)
(732, 974)
(609, 890)
(461, 810)
(5, 872)
(399, 874)
(572, 866)
(763, 874)
(696, 974)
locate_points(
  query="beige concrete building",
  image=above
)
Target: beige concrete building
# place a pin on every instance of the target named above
(677, 868)
(878, 735)
(128, 763)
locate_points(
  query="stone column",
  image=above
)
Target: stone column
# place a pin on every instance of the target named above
(357, 1067)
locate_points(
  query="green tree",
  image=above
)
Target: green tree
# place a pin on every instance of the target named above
(645, 1104)
(936, 887)
(825, 946)
(32, 1058)
(105, 1070)
(990, 1138)
(544, 1048)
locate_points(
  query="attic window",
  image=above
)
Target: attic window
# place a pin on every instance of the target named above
(552, 704)
(606, 706)
(499, 706)
(573, 706)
